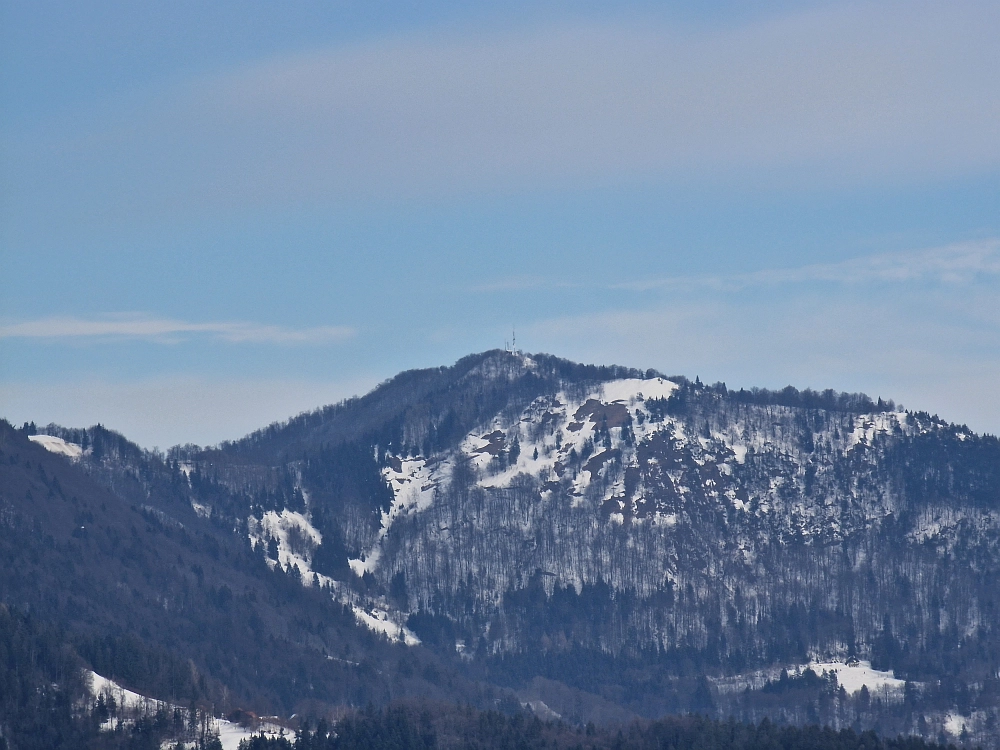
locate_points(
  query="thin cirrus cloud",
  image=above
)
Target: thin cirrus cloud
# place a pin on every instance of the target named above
(924, 329)
(850, 94)
(167, 330)
(518, 284)
(958, 263)
(921, 326)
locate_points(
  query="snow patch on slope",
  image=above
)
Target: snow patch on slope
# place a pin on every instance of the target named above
(867, 426)
(202, 511)
(954, 724)
(632, 390)
(57, 445)
(123, 697)
(297, 539)
(379, 621)
(413, 489)
(130, 706)
(552, 432)
(853, 676)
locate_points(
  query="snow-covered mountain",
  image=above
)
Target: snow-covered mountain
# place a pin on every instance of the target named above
(671, 490)
(603, 527)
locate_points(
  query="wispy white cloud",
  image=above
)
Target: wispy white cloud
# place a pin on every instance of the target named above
(167, 330)
(957, 263)
(952, 264)
(521, 283)
(848, 94)
(934, 346)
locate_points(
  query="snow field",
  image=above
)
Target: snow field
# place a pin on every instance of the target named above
(854, 675)
(413, 491)
(954, 723)
(378, 620)
(851, 676)
(134, 705)
(296, 536)
(549, 430)
(57, 445)
(867, 426)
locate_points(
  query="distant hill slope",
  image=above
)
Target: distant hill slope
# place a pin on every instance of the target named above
(601, 537)
(174, 604)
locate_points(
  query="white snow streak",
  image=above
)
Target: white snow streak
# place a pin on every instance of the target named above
(413, 491)
(378, 620)
(297, 539)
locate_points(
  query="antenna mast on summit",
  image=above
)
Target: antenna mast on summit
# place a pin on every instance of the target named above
(511, 347)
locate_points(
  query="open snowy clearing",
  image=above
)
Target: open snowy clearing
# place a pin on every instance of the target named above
(855, 675)
(57, 445)
(131, 705)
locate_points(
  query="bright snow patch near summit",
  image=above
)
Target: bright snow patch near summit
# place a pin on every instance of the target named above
(631, 389)
(55, 444)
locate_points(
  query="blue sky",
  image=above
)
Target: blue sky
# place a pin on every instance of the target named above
(217, 215)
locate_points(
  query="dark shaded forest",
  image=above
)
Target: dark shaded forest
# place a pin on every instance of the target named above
(423, 727)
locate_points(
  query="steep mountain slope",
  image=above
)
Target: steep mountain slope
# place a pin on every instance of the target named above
(603, 539)
(108, 546)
